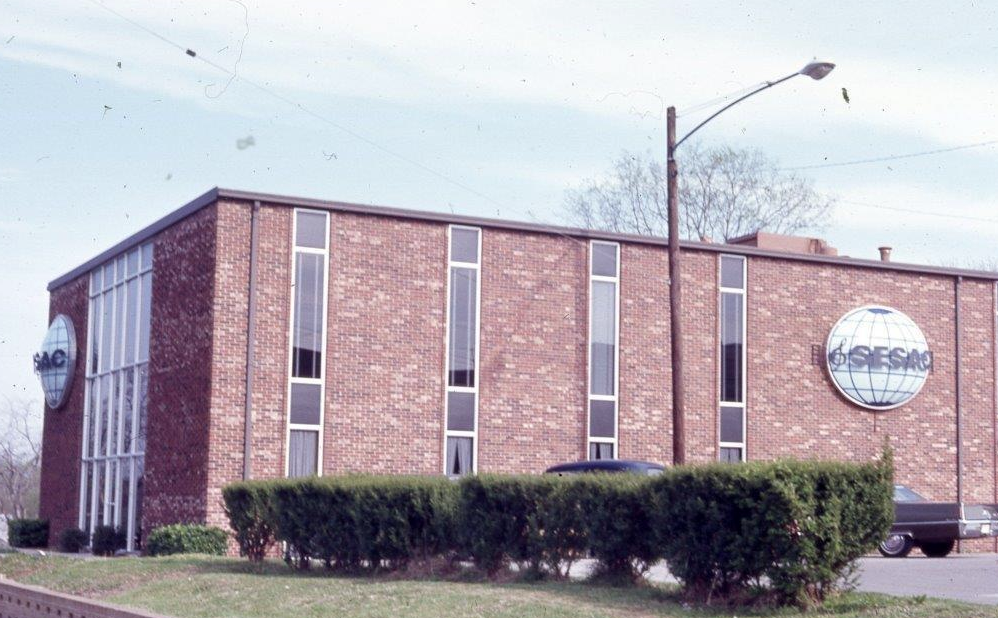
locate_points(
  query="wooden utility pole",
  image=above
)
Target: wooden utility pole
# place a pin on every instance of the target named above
(675, 298)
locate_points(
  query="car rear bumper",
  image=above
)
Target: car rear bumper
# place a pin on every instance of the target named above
(978, 528)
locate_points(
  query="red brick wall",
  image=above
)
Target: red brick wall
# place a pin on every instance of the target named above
(385, 345)
(532, 378)
(63, 428)
(795, 411)
(644, 424)
(385, 355)
(700, 374)
(180, 353)
(229, 341)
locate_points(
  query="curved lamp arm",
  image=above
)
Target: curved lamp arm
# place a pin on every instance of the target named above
(814, 70)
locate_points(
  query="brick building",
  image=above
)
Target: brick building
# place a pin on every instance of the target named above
(251, 335)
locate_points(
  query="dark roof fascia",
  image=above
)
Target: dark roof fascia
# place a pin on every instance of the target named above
(188, 209)
(583, 233)
(571, 232)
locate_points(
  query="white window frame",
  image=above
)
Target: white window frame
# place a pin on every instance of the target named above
(743, 291)
(477, 267)
(615, 398)
(320, 429)
(111, 465)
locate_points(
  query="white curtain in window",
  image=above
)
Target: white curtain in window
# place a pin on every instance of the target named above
(600, 450)
(459, 455)
(303, 453)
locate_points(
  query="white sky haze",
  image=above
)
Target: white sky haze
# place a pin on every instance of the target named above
(518, 101)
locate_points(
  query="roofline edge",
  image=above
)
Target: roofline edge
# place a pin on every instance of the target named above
(188, 209)
(213, 195)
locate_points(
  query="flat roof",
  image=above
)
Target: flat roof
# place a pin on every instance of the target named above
(213, 195)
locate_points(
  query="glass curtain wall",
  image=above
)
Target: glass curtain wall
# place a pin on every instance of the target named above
(117, 386)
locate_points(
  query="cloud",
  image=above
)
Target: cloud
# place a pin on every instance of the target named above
(445, 54)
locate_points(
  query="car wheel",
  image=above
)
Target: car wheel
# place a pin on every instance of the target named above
(896, 546)
(938, 549)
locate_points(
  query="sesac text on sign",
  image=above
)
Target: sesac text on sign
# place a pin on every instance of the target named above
(878, 357)
(55, 362)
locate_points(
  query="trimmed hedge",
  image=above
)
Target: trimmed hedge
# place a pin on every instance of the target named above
(28, 532)
(545, 523)
(106, 540)
(250, 508)
(72, 540)
(784, 532)
(187, 539)
(364, 522)
(613, 511)
(725, 530)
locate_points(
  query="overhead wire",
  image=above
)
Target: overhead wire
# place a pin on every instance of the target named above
(915, 211)
(716, 100)
(276, 95)
(909, 155)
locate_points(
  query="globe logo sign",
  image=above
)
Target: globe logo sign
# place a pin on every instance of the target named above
(878, 357)
(54, 363)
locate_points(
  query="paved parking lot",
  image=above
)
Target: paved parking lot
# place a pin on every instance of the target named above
(967, 577)
(963, 577)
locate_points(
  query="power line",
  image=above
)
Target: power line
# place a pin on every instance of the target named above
(920, 212)
(284, 99)
(716, 100)
(892, 157)
(193, 54)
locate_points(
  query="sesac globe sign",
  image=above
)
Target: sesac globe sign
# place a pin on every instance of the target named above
(878, 357)
(54, 363)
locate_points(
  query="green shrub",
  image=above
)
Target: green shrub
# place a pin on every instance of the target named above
(787, 531)
(784, 532)
(614, 515)
(357, 522)
(72, 540)
(28, 532)
(545, 523)
(499, 520)
(249, 506)
(187, 539)
(106, 540)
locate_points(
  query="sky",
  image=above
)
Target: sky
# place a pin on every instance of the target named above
(480, 108)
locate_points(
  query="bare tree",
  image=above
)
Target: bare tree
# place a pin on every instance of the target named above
(723, 193)
(20, 460)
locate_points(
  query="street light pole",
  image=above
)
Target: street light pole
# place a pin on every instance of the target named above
(675, 295)
(815, 70)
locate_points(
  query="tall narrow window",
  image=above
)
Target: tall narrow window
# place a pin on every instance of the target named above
(461, 400)
(306, 384)
(604, 275)
(115, 408)
(731, 430)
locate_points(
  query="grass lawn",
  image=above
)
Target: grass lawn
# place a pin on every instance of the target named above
(216, 587)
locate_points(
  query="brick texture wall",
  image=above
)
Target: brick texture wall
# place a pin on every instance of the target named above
(384, 399)
(385, 346)
(63, 428)
(180, 353)
(532, 378)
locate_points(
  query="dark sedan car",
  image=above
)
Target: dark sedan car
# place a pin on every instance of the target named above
(607, 465)
(934, 527)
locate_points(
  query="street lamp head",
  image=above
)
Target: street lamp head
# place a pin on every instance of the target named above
(817, 70)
